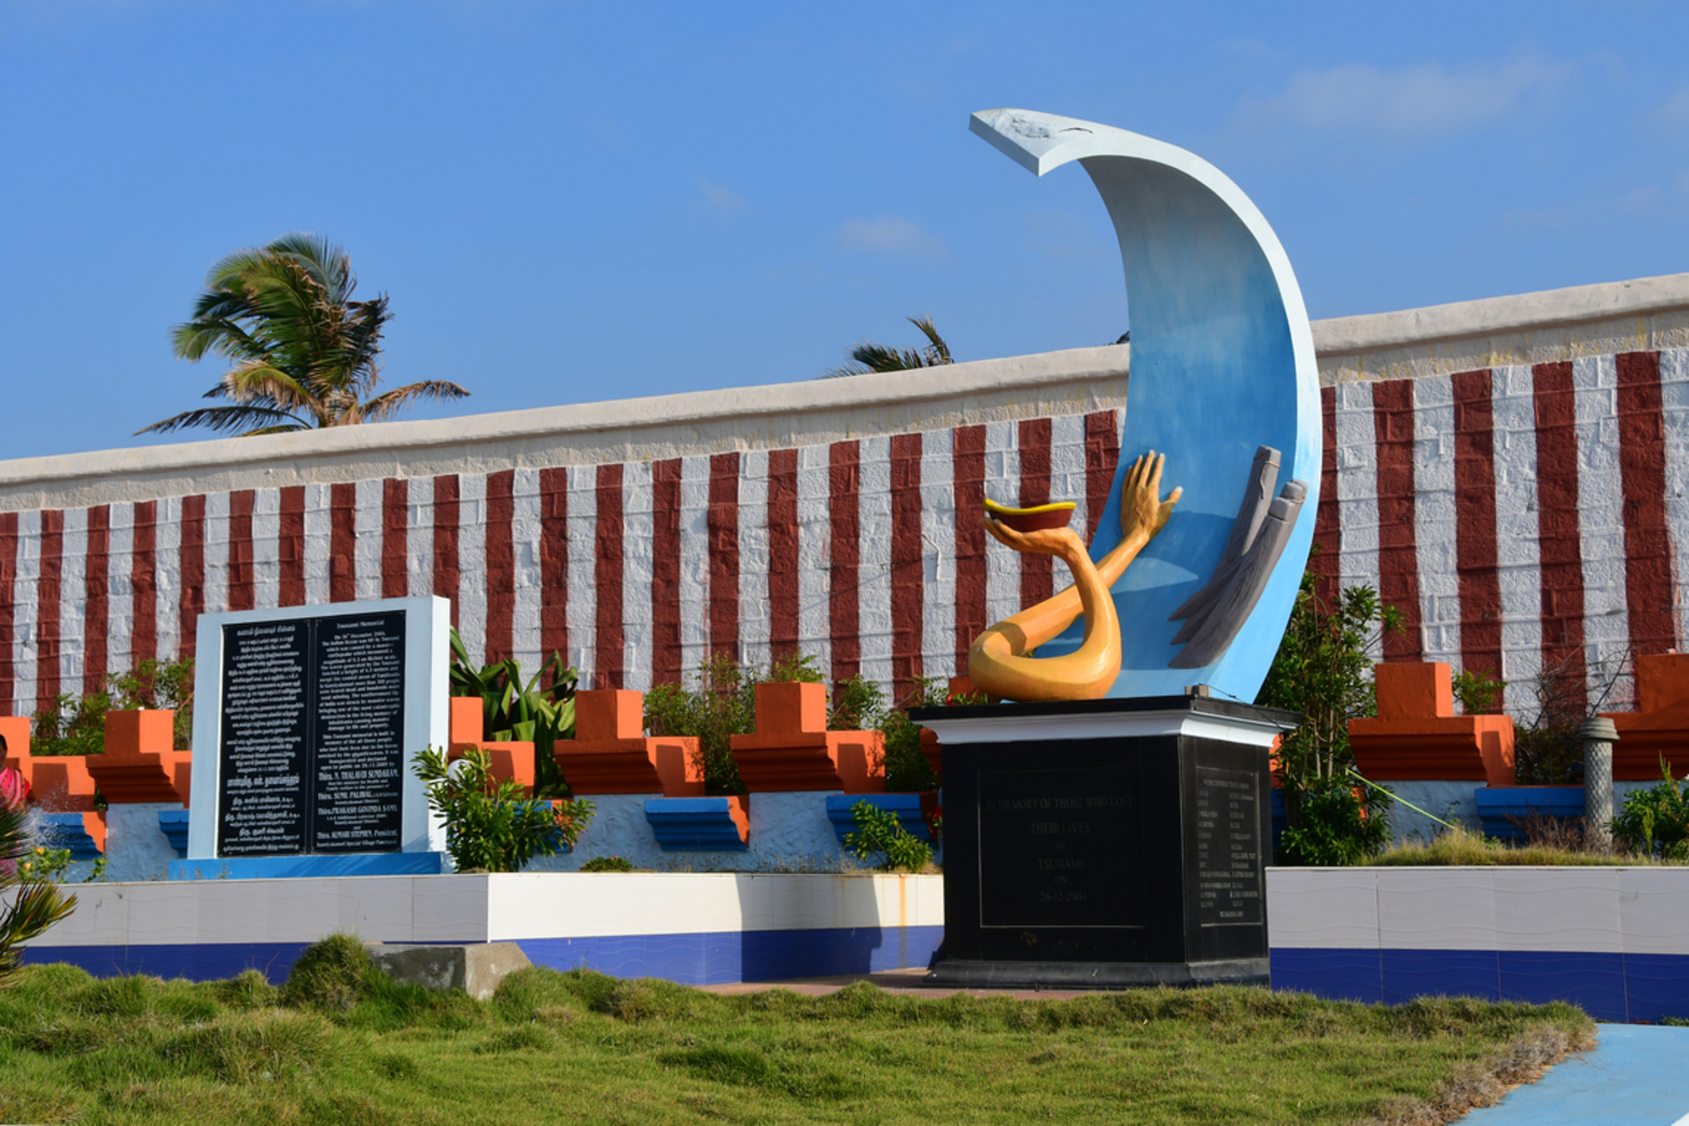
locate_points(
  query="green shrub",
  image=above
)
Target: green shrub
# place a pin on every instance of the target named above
(608, 864)
(1338, 827)
(76, 725)
(719, 703)
(1655, 821)
(881, 838)
(490, 825)
(331, 974)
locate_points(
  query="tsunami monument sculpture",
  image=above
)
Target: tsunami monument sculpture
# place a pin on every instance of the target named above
(1108, 822)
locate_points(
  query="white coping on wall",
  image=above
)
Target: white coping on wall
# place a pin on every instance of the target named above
(1558, 324)
(1106, 725)
(1642, 910)
(489, 908)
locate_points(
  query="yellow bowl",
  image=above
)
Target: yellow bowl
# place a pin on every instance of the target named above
(1056, 515)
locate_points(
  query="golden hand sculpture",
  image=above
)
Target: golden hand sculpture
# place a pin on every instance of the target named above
(997, 662)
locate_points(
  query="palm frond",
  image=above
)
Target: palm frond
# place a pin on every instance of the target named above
(224, 419)
(868, 357)
(384, 406)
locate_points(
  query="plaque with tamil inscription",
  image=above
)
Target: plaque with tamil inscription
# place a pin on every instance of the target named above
(1228, 847)
(1064, 848)
(265, 739)
(312, 754)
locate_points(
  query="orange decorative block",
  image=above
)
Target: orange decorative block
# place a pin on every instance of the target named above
(1659, 728)
(793, 750)
(511, 760)
(14, 730)
(57, 783)
(139, 764)
(1417, 736)
(611, 754)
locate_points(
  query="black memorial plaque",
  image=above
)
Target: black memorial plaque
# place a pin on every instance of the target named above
(312, 754)
(360, 730)
(1101, 860)
(266, 681)
(1228, 847)
(1064, 848)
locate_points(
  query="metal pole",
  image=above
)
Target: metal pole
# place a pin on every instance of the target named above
(1599, 735)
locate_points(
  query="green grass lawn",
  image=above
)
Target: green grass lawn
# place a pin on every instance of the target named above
(343, 1045)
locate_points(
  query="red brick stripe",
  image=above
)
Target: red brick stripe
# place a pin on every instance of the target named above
(1475, 524)
(968, 488)
(1559, 537)
(395, 531)
(1037, 572)
(446, 573)
(723, 523)
(1648, 568)
(96, 603)
(783, 598)
(290, 546)
(143, 580)
(1102, 460)
(1327, 561)
(8, 610)
(48, 593)
(241, 593)
(191, 556)
(610, 655)
(908, 564)
(665, 572)
(844, 480)
(501, 565)
(554, 563)
(342, 542)
(1398, 561)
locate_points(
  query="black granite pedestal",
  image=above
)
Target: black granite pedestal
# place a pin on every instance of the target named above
(1105, 844)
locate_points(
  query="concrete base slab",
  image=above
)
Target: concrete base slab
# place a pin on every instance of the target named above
(969, 974)
(477, 968)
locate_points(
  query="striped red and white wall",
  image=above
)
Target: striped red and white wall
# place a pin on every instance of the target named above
(1520, 517)
(866, 554)
(1508, 473)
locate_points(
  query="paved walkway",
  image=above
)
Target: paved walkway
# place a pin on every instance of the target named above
(892, 981)
(1633, 1077)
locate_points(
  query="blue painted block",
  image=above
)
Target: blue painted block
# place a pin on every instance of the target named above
(208, 961)
(174, 824)
(295, 867)
(66, 830)
(906, 806)
(1440, 973)
(1657, 986)
(1497, 805)
(1595, 982)
(1340, 975)
(693, 825)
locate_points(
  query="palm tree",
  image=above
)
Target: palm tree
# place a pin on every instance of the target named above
(878, 357)
(304, 353)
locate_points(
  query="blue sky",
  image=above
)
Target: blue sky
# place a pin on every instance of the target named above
(573, 202)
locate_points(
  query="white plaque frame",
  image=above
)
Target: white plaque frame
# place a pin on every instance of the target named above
(426, 723)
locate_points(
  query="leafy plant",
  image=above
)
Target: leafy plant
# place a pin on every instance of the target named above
(860, 705)
(540, 712)
(490, 825)
(76, 725)
(880, 837)
(35, 904)
(1323, 669)
(1655, 821)
(50, 864)
(608, 864)
(719, 703)
(1477, 692)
